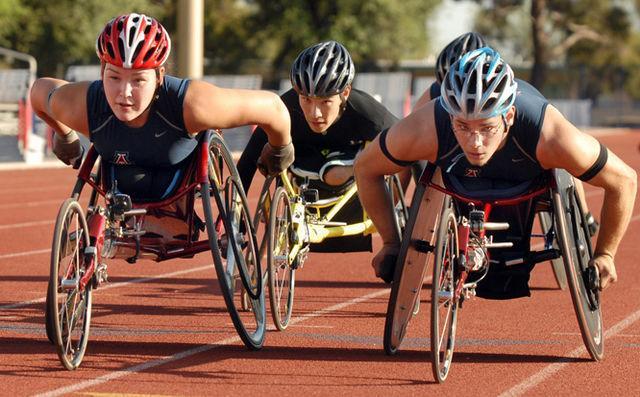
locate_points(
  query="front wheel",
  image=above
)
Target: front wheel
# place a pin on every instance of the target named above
(233, 245)
(573, 238)
(69, 292)
(282, 274)
(444, 304)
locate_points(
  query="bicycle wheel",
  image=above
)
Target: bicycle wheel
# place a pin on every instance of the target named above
(413, 258)
(556, 264)
(69, 295)
(573, 239)
(444, 305)
(94, 198)
(233, 245)
(282, 274)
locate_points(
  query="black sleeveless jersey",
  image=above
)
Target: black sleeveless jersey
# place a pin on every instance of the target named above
(362, 120)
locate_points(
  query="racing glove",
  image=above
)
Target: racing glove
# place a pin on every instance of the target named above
(275, 159)
(67, 147)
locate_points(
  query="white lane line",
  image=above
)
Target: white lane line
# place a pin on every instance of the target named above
(551, 369)
(197, 350)
(25, 253)
(26, 224)
(117, 285)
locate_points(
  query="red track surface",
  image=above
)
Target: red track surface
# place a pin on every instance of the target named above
(162, 328)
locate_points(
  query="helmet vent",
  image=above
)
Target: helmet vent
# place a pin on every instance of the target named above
(132, 33)
(138, 49)
(110, 50)
(121, 47)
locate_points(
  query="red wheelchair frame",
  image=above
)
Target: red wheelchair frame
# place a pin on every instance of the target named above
(460, 245)
(81, 244)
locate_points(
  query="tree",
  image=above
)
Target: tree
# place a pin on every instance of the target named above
(63, 32)
(277, 30)
(559, 31)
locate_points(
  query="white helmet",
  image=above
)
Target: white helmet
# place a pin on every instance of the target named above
(479, 85)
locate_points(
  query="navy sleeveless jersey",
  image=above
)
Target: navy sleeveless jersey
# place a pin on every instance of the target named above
(162, 142)
(434, 89)
(516, 160)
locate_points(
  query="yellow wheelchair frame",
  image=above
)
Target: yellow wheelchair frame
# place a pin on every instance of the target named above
(289, 219)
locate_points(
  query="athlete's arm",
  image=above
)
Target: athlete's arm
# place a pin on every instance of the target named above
(562, 145)
(249, 158)
(62, 105)
(208, 106)
(412, 138)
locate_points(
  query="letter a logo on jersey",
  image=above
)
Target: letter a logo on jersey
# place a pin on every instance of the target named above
(121, 158)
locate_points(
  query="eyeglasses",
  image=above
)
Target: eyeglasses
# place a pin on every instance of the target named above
(485, 132)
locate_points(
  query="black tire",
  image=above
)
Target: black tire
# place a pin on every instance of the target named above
(282, 274)
(261, 219)
(230, 229)
(573, 238)
(411, 265)
(556, 264)
(444, 305)
(401, 212)
(68, 303)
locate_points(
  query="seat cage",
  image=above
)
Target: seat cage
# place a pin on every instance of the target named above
(164, 218)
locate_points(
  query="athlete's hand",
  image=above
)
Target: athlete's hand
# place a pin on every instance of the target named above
(607, 269)
(67, 147)
(384, 263)
(275, 159)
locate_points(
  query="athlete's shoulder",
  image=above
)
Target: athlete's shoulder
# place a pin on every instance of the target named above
(175, 84)
(525, 89)
(367, 107)
(290, 98)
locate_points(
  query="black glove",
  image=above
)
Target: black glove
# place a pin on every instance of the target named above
(275, 159)
(68, 147)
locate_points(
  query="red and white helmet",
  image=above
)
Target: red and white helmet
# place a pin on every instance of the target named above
(134, 41)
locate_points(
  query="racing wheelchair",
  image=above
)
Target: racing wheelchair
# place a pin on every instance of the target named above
(471, 237)
(116, 227)
(292, 220)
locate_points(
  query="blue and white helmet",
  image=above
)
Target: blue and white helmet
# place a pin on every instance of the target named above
(479, 85)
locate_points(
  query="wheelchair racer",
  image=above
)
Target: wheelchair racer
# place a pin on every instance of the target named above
(141, 121)
(448, 56)
(330, 120)
(487, 125)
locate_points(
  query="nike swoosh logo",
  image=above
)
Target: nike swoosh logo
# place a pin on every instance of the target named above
(517, 160)
(159, 134)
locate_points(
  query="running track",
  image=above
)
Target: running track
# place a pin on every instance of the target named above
(162, 328)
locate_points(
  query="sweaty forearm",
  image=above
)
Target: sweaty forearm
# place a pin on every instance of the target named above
(249, 158)
(377, 204)
(278, 129)
(615, 216)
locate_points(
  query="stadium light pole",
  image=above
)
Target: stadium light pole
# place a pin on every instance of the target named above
(190, 38)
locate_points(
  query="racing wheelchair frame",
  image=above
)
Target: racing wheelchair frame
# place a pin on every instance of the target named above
(290, 218)
(115, 227)
(440, 230)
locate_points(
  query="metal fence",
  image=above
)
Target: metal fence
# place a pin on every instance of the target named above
(14, 85)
